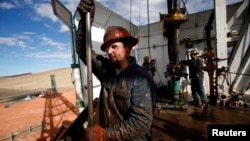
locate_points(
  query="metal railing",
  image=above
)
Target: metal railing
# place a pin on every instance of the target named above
(22, 132)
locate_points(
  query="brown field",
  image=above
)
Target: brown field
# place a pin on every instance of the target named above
(53, 109)
(23, 84)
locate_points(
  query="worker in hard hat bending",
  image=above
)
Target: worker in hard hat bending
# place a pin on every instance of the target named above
(196, 76)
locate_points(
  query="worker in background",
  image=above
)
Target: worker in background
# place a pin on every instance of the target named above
(196, 76)
(149, 66)
(126, 96)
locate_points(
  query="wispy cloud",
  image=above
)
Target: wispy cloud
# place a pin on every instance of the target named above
(70, 4)
(48, 55)
(17, 40)
(21, 44)
(12, 42)
(9, 41)
(28, 33)
(44, 10)
(6, 5)
(50, 42)
(137, 11)
(29, 2)
(64, 28)
(23, 37)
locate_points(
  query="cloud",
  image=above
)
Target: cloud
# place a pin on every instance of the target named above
(18, 40)
(28, 33)
(137, 11)
(23, 37)
(44, 10)
(47, 55)
(70, 4)
(21, 44)
(8, 41)
(48, 41)
(13, 54)
(12, 41)
(6, 5)
(64, 28)
(29, 2)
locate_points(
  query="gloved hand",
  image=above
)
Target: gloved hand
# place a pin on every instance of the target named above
(95, 133)
(87, 6)
(80, 36)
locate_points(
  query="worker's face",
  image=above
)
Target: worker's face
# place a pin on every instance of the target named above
(193, 56)
(117, 52)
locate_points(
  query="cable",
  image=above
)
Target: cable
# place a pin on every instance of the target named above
(130, 16)
(184, 5)
(139, 24)
(148, 30)
(240, 73)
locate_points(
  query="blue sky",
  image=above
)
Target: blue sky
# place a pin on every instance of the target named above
(33, 39)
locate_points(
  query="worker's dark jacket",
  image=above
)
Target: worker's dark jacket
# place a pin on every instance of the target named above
(126, 109)
(195, 68)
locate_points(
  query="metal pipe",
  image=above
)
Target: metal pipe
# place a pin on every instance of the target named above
(176, 44)
(89, 69)
(148, 30)
(176, 34)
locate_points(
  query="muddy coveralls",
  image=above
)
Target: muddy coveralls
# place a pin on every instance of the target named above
(197, 77)
(126, 99)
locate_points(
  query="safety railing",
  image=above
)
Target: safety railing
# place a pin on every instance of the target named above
(22, 132)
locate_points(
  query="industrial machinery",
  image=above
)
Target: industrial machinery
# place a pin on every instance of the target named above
(171, 30)
(208, 57)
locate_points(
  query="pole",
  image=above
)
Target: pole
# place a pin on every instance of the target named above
(148, 30)
(89, 69)
(176, 34)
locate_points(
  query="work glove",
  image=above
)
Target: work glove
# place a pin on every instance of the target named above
(87, 6)
(80, 42)
(95, 133)
(83, 7)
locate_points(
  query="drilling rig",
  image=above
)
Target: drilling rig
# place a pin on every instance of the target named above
(171, 30)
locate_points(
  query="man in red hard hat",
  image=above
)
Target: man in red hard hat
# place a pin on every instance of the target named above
(126, 97)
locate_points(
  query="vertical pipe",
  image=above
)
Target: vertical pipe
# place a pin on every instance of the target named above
(175, 83)
(76, 75)
(176, 44)
(89, 69)
(221, 47)
(53, 83)
(148, 30)
(76, 72)
(176, 34)
(170, 7)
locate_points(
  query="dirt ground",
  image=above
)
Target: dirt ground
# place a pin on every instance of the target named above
(23, 84)
(49, 111)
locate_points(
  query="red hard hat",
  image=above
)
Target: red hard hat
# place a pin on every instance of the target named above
(117, 33)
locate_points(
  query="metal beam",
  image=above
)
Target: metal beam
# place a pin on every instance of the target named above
(239, 62)
(221, 44)
(237, 14)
